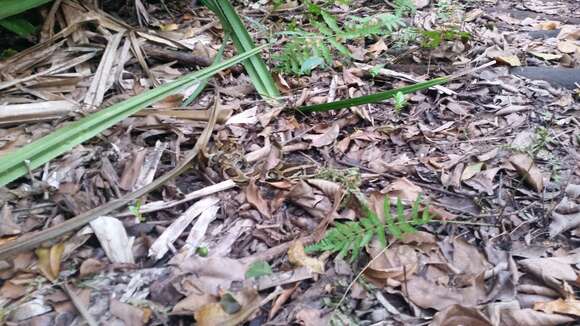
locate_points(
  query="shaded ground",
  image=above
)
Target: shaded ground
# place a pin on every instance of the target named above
(494, 155)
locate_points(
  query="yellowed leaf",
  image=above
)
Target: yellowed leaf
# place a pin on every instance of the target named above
(49, 260)
(168, 27)
(298, 257)
(211, 314)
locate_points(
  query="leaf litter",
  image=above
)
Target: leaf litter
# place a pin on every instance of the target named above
(493, 155)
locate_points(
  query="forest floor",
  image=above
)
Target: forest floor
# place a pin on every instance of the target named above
(493, 156)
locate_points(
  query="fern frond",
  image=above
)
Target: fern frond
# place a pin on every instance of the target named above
(348, 239)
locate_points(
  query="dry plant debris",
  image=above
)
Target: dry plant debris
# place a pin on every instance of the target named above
(201, 207)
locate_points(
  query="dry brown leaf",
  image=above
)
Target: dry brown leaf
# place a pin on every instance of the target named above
(483, 181)
(570, 306)
(378, 47)
(426, 294)
(402, 188)
(214, 314)
(12, 291)
(255, 198)
(525, 166)
(396, 264)
(49, 260)
(457, 315)
(471, 170)
(468, 259)
(129, 314)
(530, 317)
(91, 266)
(327, 138)
(566, 215)
(297, 257)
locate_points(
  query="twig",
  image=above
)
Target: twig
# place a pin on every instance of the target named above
(83, 311)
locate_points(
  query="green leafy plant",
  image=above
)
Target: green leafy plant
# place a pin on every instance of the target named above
(432, 39)
(348, 239)
(400, 101)
(255, 66)
(136, 210)
(19, 162)
(373, 98)
(307, 50)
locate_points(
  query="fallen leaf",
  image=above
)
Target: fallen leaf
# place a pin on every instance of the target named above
(12, 291)
(258, 268)
(113, 239)
(129, 314)
(566, 215)
(297, 257)
(255, 198)
(567, 47)
(525, 166)
(326, 138)
(402, 188)
(569, 306)
(457, 315)
(378, 47)
(546, 56)
(471, 170)
(427, 294)
(49, 260)
(91, 266)
(212, 314)
(483, 181)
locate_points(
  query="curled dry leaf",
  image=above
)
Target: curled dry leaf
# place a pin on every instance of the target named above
(525, 166)
(298, 257)
(255, 198)
(313, 317)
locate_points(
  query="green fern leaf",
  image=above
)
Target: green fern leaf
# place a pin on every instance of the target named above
(391, 226)
(404, 224)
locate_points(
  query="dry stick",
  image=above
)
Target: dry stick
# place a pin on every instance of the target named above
(33, 240)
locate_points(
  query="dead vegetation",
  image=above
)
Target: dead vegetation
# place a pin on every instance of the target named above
(313, 163)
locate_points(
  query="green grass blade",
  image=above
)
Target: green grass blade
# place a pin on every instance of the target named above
(203, 83)
(373, 98)
(14, 7)
(18, 26)
(255, 66)
(16, 164)
(415, 211)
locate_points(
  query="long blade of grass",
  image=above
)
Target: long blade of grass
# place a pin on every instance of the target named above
(13, 7)
(203, 83)
(255, 66)
(373, 98)
(18, 26)
(18, 163)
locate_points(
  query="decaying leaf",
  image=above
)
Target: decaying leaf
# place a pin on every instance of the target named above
(568, 306)
(255, 198)
(298, 257)
(525, 166)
